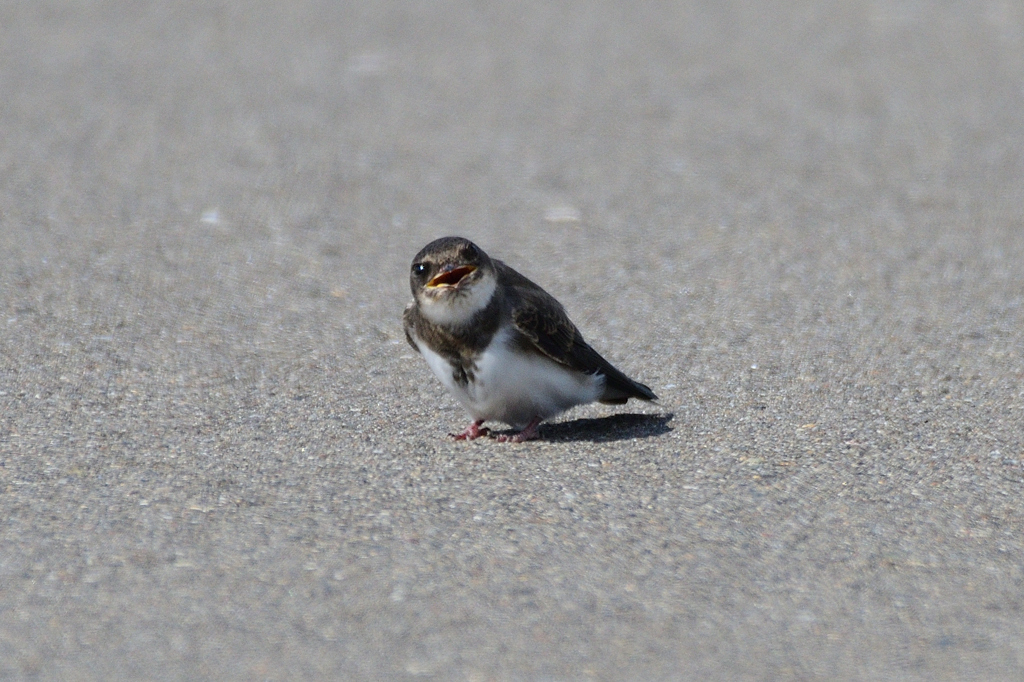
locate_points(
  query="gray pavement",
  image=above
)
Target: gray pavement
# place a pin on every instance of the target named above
(801, 223)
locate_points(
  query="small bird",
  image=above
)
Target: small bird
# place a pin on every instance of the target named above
(501, 344)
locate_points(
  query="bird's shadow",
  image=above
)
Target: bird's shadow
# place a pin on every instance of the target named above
(607, 429)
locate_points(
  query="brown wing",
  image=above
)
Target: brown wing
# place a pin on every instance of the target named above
(409, 323)
(542, 322)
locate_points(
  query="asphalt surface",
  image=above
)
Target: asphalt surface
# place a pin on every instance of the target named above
(801, 223)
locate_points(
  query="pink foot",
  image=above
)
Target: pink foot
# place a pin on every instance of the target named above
(529, 433)
(472, 432)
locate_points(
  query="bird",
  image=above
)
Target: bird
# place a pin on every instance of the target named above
(504, 347)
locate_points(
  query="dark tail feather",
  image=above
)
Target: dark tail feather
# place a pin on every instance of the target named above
(618, 388)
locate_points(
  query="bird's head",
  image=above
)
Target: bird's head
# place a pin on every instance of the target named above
(452, 279)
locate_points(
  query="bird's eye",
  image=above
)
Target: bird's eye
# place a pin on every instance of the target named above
(419, 268)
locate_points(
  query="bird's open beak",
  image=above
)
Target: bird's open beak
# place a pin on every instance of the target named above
(450, 277)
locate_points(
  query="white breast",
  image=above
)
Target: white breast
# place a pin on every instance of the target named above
(515, 387)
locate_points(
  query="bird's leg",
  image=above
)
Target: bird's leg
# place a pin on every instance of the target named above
(528, 433)
(472, 432)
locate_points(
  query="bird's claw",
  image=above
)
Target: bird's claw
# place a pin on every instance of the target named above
(529, 433)
(472, 432)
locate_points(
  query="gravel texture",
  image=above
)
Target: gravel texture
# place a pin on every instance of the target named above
(801, 223)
